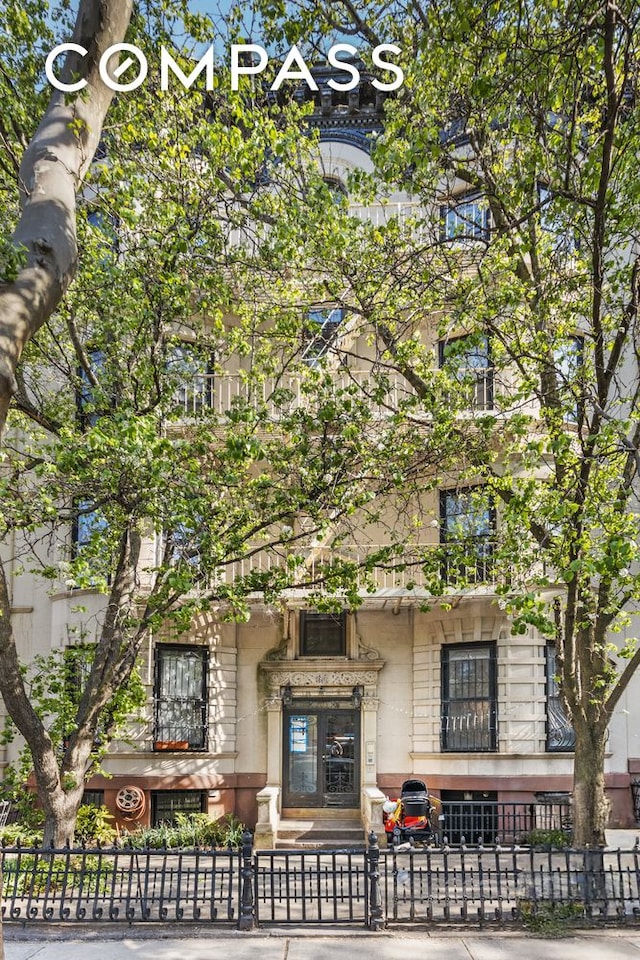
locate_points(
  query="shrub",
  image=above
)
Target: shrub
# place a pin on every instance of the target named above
(558, 839)
(551, 919)
(21, 833)
(190, 830)
(94, 825)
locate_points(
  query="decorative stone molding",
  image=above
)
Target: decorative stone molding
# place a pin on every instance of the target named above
(273, 703)
(365, 652)
(322, 678)
(279, 652)
(331, 674)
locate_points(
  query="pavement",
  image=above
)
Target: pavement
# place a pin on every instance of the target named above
(190, 944)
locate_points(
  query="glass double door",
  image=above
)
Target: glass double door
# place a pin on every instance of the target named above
(321, 757)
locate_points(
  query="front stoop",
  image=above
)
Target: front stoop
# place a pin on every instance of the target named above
(320, 830)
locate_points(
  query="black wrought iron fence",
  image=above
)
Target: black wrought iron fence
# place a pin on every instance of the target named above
(491, 821)
(367, 887)
(502, 884)
(316, 886)
(119, 884)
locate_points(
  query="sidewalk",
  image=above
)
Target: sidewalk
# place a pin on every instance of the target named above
(194, 944)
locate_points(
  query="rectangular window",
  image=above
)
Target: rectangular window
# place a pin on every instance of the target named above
(467, 531)
(181, 697)
(568, 360)
(190, 365)
(467, 219)
(560, 734)
(320, 332)
(467, 359)
(90, 407)
(77, 662)
(88, 524)
(90, 544)
(322, 634)
(469, 708)
(165, 804)
(556, 223)
(93, 798)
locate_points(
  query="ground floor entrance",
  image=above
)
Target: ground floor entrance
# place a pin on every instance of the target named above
(321, 755)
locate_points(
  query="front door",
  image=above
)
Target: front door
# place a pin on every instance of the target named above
(321, 757)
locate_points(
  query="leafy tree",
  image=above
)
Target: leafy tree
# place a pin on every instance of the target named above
(187, 239)
(517, 133)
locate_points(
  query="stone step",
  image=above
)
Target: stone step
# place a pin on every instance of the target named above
(320, 834)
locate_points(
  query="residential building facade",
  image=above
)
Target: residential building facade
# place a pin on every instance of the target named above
(302, 713)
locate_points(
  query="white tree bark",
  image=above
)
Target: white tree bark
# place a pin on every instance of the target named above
(51, 173)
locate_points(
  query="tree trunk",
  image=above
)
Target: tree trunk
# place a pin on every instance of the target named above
(590, 803)
(51, 173)
(60, 812)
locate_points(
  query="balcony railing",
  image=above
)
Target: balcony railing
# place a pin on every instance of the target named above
(279, 397)
(413, 570)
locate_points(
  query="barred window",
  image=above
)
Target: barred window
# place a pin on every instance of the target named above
(560, 733)
(469, 707)
(181, 697)
(165, 804)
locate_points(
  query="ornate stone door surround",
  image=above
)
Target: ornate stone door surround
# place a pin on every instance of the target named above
(323, 679)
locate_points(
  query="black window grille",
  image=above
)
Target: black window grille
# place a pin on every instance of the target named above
(322, 634)
(181, 697)
(560, 733)
(469, 707)
(165, 804)
(467, 534)
(93, 798)
(77, 663)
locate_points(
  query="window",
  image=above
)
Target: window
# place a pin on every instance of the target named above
(555, 222)
(90, 408)
(468, 360)
(185, 545)
(181, 698)
(77, 663)
(468, 219)
(165, 804)
(320, 332)
(568, 360)
(560, 734)
(191, 366)
(93, 798)
(469, 709)
(90, 544)
(322, 634)
(88, 524)
(467, 529)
